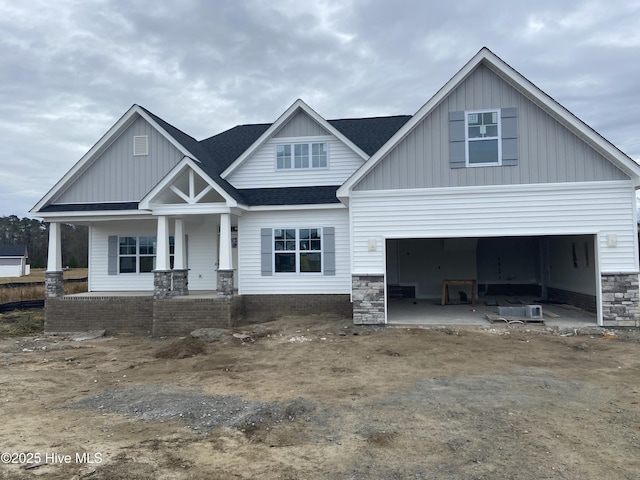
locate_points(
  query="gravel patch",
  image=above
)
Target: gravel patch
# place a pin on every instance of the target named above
(199, 411)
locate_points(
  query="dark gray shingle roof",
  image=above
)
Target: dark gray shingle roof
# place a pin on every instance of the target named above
(13, 250)
(290, 195)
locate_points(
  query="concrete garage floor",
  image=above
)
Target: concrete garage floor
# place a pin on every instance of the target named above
(411, 311)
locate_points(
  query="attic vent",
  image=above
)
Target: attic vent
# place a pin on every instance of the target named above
(140, 145)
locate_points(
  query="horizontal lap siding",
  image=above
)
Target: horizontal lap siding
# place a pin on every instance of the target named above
(250, 279)
(99, 278)
(259, 171)
(202, 254)
(603, 208)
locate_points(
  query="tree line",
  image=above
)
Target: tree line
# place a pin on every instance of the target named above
(35, 235)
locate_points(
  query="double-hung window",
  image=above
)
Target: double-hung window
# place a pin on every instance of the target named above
(301, 155)
(297, 250)
(483, 145)
(138, 254)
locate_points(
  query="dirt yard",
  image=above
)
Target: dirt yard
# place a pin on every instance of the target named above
(317, 398)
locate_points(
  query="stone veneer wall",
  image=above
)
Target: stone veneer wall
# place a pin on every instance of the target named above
(580, 300)
(368, 299)
(112, 314)
(620, 297)
(53, 284)
(225, 282)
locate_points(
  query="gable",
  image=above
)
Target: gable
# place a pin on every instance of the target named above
(117, 175)
(547, 151)
(301, 125)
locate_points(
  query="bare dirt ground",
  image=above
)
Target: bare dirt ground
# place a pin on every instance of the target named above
(317, 398)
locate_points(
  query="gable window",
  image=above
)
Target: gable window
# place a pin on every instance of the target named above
(297, 250)
(138, 254)
(301, 155)
(483, 146)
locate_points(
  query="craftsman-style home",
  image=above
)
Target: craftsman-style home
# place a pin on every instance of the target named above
(491, 182)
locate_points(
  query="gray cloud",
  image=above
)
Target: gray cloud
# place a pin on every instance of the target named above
(70, 69)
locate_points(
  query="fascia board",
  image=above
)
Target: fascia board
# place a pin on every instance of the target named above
(275, 126)
(88, 158)
(523, 85)
(434, 101)
(563, 115)
(166, 135)
(112, 134)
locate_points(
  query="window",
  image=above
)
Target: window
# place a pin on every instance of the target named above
(297, 250)
(483, 145)
(138, 254)
(301, 155)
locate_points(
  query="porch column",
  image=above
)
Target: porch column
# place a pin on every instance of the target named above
(225, 262)
(162, 274)
(179, 274)
(54, 285)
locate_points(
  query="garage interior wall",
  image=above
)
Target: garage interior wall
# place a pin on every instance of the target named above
(543, 266)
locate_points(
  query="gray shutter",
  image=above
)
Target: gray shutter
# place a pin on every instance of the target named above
(329, 250)
(509, 119)
(457, 155)
(113, 255)
(266, 252)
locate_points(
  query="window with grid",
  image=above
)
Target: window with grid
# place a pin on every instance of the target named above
(297, 250)
(301, 155)
(483, 137)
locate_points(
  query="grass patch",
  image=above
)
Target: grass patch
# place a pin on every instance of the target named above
(37, 275)
(22, 322)
(36, 292)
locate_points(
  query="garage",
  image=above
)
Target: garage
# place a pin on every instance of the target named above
(559, 269)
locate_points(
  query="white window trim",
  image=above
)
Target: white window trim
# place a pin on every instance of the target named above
(293, 167)
(136, 139)
(297, 252)
(138, 255)
(467, 139)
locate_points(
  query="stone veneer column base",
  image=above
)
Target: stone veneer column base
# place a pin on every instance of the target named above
(368, 299)
(225, 282)
(180, 283)
(161, 284)
(53, 285)
(620, 297)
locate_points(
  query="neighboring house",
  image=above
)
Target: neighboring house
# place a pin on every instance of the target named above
(13, 261)
(491, 180)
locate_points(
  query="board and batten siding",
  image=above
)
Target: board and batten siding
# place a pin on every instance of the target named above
(547, 151)
(202, 252)
(259, 170)
(599, 208)
(119, 176)
(251, 280)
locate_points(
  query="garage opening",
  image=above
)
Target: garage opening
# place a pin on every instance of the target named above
(547, 270)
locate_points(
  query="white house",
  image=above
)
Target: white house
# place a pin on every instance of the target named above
(13, 261)
(491, 181)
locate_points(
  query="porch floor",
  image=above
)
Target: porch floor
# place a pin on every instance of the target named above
(411, 311)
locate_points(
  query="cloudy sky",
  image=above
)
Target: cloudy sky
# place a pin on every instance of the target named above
(70, 68)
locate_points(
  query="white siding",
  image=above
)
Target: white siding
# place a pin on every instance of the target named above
(202, 253)
(600, 208)
(99, 278)
(10, 270)
(259, 170)
(250, 279)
